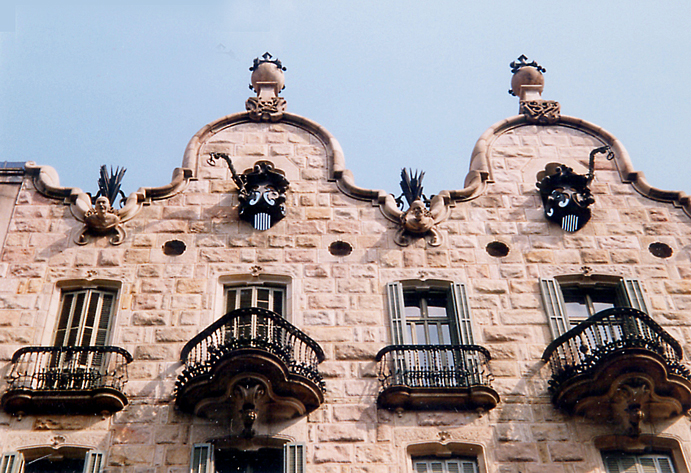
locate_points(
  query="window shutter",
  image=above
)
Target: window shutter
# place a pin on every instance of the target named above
(465, 465)
(634, 293)
(462, 313)
(12, 462)
(554, 306)
(293, 458)
(202, 458)
(664, 464)
(394, 297)
(93, 462)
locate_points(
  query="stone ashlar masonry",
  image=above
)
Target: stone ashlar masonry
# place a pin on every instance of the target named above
(339, 301)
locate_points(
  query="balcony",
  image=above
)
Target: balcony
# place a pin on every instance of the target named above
(250, 362)
(435, 377)
(79, 380)
(619, 366)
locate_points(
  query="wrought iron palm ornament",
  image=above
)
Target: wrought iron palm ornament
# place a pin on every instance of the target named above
(261, 192)
(109, 184)
(566, 195)
(411, 185)
(98, 213)
(422, 215)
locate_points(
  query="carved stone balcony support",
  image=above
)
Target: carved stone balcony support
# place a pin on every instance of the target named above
(619, 366)
(56, 380)
(250, 364)
(444, 377)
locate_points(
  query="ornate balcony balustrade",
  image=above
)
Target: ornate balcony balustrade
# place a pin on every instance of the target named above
(435, 377)
(619, 365)
(246, 348)
(67, 379)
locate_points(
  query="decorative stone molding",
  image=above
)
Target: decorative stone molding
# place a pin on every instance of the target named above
(541, 112)
(270, 110)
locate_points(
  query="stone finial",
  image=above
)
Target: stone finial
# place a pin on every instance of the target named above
(527, 84)
(267, 81)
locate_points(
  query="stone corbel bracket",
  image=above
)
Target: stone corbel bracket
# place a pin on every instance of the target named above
(46, 181)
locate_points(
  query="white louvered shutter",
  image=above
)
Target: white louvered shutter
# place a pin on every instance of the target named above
(635, 295)
(553, 300)
(202, 460)
(396, 309)
(293, 458)
(12, 462)
(461, 310)
(93, 462)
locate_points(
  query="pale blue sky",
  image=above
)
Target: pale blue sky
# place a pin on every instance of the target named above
(398, 83)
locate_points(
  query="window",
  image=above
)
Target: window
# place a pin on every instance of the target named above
(208, 459)
(271, 297)
(430, 313)
(628, 463)
(450, 465)
(50, 461)
(85, 317)
(571, 300)
(430, 328)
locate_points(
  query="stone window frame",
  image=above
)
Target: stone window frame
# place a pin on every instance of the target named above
(460, 319)
(202, 454)
(15, 461)
(641, 445)
(53, 314)
(553, 298)
(237, 280)
(447, 450)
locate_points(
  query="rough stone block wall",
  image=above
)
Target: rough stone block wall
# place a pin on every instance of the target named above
(339, 301)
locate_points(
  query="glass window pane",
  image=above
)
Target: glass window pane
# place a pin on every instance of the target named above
(445, 335)
(412, 311)
(600, 306)
(245, 298)
(436, 311)
(278, 302)
(433, 335)
(436, 305)
(263, 296)
(420, 338)
(576, 311)
(230, 300)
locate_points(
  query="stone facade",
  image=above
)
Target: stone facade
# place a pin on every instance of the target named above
(340, 301)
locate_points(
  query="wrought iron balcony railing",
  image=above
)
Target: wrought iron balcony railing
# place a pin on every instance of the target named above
(246, 329)
(434, 366)
(583, 348)
(68, 368)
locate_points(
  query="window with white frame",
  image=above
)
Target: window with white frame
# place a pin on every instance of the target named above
(445, 465)
(208, 459)
(264, 296)
(73, 461)
(570, 301)
(429, 313)
(629, 463)
(85, 317)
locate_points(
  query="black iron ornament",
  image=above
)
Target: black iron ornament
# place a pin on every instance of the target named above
(261, 192)
(566, 195)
